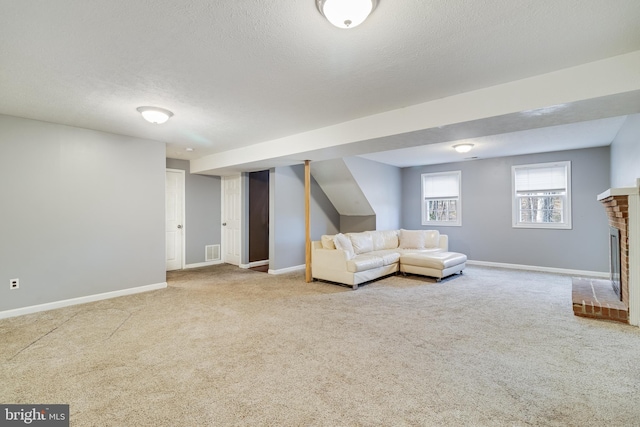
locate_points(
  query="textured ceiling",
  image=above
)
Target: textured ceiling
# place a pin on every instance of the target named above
(237, 73)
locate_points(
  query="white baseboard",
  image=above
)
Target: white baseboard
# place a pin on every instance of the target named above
(599, 274)
(80, 300)
(287, 270)
(255, 264)
(204, 264)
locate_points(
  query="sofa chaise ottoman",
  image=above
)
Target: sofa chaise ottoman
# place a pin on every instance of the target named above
(438, 265)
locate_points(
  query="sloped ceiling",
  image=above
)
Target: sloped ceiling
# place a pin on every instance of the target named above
(338, 183)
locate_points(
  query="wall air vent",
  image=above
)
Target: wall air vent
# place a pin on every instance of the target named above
(212, 253)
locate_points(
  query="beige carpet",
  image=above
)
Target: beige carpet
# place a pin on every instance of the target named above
(223, 346)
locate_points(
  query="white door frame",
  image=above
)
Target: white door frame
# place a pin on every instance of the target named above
(183, 210)
(223, 234)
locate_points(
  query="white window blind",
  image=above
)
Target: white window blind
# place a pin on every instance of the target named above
(441, 185)
(545, 178)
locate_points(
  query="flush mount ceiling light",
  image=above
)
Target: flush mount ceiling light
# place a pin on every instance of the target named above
(154, 114)
(346, 13)
(463, 148)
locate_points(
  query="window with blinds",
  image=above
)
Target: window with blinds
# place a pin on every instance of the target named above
(441, 198)
(542, 195)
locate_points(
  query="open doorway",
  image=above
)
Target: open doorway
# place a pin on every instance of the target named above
(259, 220)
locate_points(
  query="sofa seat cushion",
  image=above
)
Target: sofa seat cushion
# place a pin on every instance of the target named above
(389, 256)
(364, 262)
(437, 260)
(419, 251)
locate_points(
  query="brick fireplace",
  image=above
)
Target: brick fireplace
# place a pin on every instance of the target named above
(597, 298)
(617, 208)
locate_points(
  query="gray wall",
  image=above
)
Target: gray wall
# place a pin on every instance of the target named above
(381, 185)
(487, 234)
(286, 216)
(82, 212)
(202, 211)
(625, 154)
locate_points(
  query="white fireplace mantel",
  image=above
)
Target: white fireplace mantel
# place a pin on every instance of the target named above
(626, 191)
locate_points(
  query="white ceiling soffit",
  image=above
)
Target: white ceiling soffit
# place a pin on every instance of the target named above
(242, 73)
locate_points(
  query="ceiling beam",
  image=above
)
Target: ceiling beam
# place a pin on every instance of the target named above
(590, 91)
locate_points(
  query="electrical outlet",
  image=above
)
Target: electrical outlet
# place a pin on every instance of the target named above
(14, 283)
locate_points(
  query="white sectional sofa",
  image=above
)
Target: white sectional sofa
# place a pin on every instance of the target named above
(355, 258)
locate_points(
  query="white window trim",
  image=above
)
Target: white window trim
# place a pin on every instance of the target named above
(458, 222)
(566, 225)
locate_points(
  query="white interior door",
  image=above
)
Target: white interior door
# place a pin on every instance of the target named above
(231, 219)
(174, 218)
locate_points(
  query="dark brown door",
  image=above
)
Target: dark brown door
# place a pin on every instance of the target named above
(258, 216)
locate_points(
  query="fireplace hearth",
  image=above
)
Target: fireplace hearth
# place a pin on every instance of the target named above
(596, 299)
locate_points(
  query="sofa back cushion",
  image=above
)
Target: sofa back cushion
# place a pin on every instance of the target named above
(391, 240)
(431, 239)
(411, 239)
(378, 240)
(419, 239)
(343, 242)
(327, 242)
(382, 240)
(361, 242)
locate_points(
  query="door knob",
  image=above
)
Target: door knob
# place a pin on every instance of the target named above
(224, 224)
(179, 226)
